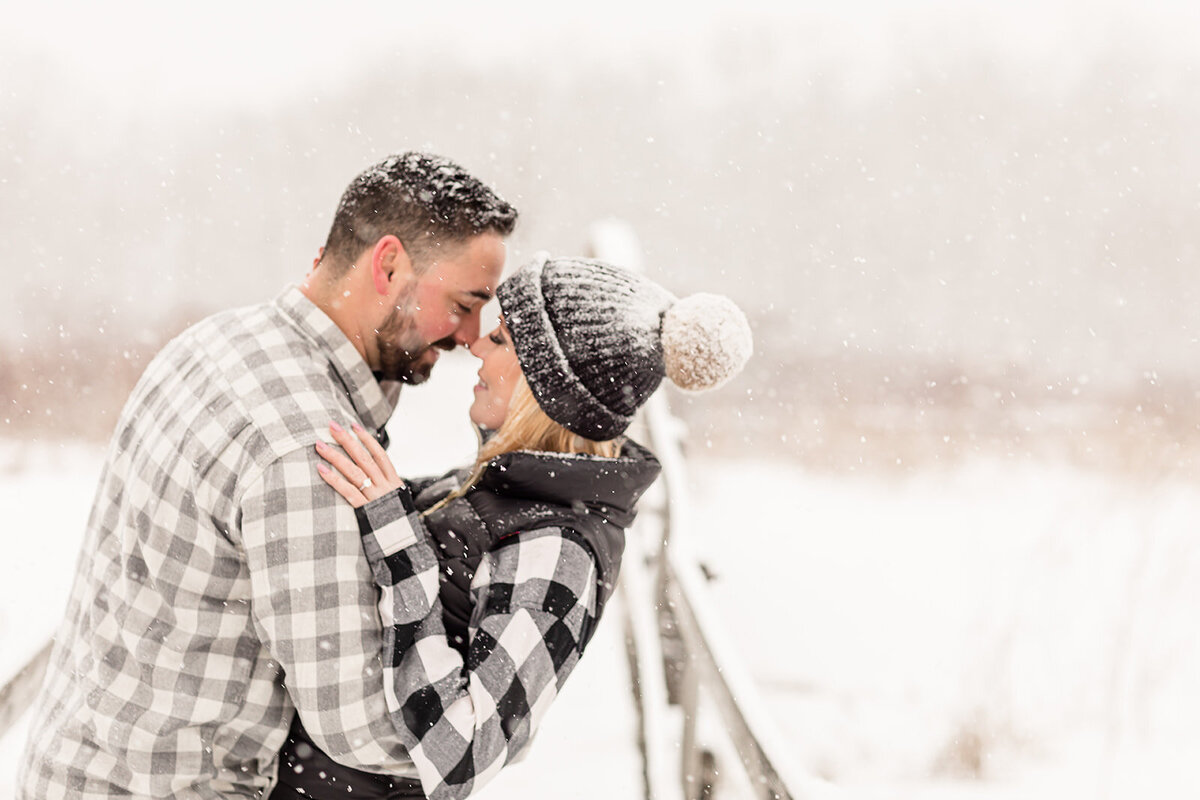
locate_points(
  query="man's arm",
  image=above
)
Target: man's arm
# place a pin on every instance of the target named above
(315, 608)
(464, 719)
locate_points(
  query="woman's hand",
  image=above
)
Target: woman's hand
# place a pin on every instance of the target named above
(366, 475)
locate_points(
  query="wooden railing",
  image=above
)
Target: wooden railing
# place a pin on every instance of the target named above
(685, 669)
(18, 694)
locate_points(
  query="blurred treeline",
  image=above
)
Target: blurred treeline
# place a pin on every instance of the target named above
(958, 254)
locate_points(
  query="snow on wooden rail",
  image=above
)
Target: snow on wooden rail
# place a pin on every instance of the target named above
(704, 664)
(18, 694)
(682, 662)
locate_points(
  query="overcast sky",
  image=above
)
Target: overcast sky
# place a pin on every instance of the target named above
(135, 119)
(141, 55)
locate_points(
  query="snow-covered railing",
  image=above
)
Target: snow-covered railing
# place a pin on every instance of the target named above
(685, 670)
(18, 693)
(703, 665)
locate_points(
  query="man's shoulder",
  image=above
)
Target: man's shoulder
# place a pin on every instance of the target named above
(279, 379)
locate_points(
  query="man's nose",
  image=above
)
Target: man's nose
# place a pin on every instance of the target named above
(468, 332)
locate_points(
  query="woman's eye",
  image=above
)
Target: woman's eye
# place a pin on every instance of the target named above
(463, 309)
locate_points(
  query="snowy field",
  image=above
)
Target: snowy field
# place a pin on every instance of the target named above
(996, 631)
(1001, 630)
(45, 493)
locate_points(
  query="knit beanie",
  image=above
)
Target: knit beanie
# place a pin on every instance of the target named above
(594, 340)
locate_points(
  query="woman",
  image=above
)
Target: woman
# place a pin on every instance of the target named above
(526, 543)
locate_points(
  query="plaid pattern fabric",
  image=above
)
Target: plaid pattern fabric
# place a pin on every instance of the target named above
(463, 719)
(221, 582)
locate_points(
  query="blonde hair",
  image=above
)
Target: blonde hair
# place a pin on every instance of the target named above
(526, 427)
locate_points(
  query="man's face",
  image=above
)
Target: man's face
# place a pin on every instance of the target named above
(440, 308)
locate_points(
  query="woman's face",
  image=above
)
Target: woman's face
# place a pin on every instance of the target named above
(497, 377)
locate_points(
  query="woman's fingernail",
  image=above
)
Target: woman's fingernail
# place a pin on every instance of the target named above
(321, 468)
(357, 428)
(336, 428)
(321, 445)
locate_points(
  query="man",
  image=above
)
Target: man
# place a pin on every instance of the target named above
(222, 586)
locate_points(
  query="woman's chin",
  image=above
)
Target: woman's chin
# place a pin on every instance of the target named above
(478, 421)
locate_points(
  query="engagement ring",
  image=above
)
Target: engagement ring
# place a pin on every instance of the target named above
(365, 484)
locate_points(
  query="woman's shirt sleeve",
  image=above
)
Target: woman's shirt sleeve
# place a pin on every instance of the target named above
(463, 718)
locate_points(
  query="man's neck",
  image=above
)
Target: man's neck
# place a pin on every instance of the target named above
(329, 297)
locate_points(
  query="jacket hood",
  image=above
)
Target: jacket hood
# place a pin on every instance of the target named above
(608, 487)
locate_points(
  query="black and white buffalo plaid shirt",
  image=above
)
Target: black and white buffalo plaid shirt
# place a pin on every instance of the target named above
(463, 718)
(222, 586)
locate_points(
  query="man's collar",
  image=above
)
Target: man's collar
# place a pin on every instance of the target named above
(373, 403)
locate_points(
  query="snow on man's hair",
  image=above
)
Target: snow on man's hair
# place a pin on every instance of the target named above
(422, 199)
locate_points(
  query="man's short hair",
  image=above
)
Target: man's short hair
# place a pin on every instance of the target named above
(424, 200)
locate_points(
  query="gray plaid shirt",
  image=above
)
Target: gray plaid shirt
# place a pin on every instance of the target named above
(221, 583)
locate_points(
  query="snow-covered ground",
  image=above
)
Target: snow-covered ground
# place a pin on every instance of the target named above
(45, 495)
(998, 630)
(1022, 622)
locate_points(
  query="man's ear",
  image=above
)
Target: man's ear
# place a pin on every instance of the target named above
(389, 263)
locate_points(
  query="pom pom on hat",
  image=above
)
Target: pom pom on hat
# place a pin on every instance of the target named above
(595, 340)
(706, 340)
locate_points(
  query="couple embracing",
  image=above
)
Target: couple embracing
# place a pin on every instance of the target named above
(263, 608)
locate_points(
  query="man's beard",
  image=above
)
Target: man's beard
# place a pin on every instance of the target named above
(403, 354)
